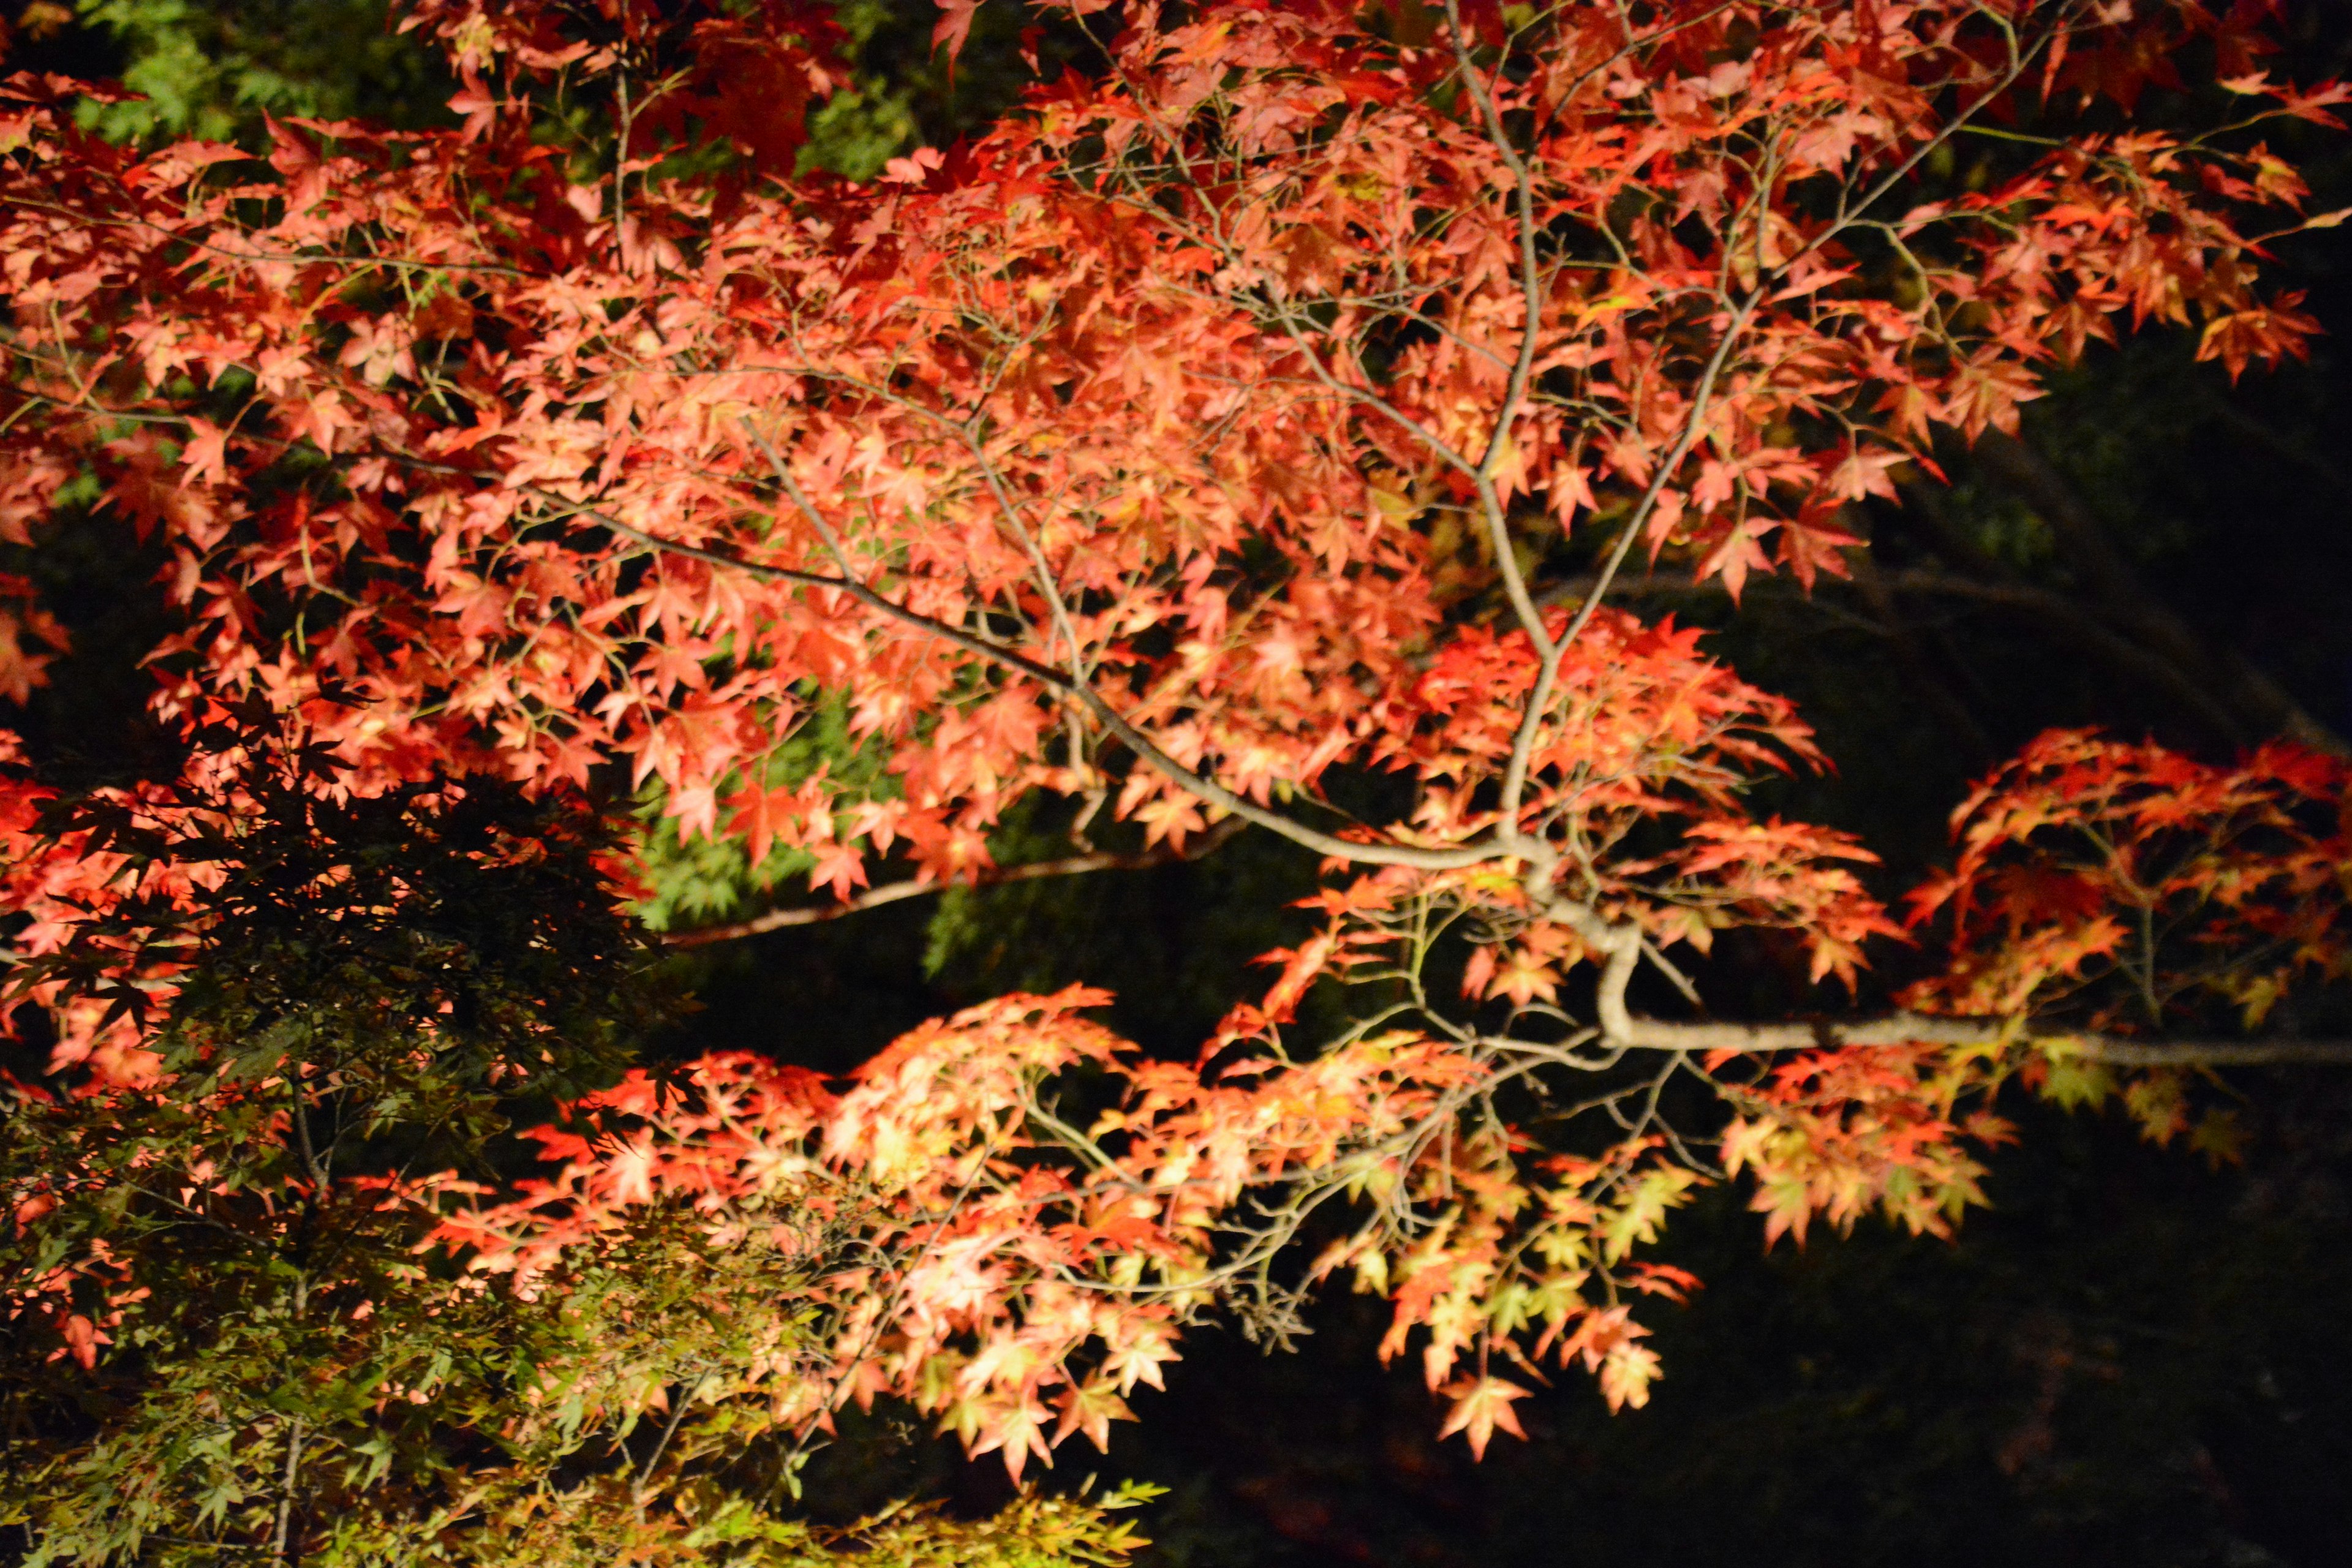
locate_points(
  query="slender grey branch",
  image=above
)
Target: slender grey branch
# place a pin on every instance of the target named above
(279, 1535)
(1623, 944)
(1499, 526)
(1523, 744)
(1514, 773)
(1919, 1028)
(1142, 745)
(686, 1394)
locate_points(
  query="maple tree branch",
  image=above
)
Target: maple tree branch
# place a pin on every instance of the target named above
(1847, 218)
(1498, 527)
(1523, 743)
(1047, 584)
(1917, 1028)
(1515, 770)
(1515, 777)
(686, 1398)
(971, 642)
(1623, 945)
(1286, 317)
(841, 1394)
(293, 1470)
(1142, 745)
(1350, 851)
(894, 892)
(963, 430)
(2019, 59)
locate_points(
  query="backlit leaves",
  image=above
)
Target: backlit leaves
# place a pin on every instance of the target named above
(1215, 429)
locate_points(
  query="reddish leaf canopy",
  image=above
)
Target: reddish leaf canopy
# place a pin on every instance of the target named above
(2132, 887)
(1201, 430)
(1162, 385)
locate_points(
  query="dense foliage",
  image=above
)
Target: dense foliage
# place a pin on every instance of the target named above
(1244, 435)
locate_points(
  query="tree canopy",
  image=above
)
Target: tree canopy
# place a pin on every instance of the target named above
(596, 501)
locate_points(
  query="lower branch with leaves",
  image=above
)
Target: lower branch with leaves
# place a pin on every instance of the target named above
(1126, 461)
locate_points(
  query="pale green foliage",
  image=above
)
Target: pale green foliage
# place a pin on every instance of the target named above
(859, 129)
(231, 1325)
(692, 879)
(904, 94)
(695, 881)
(1033, 1533)
(211, 69)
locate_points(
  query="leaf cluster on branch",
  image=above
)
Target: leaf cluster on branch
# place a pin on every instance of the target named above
(1221, 427)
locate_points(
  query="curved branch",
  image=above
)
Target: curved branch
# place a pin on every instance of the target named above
(1143, 745)
(1919, 1028)
(1515, 388)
